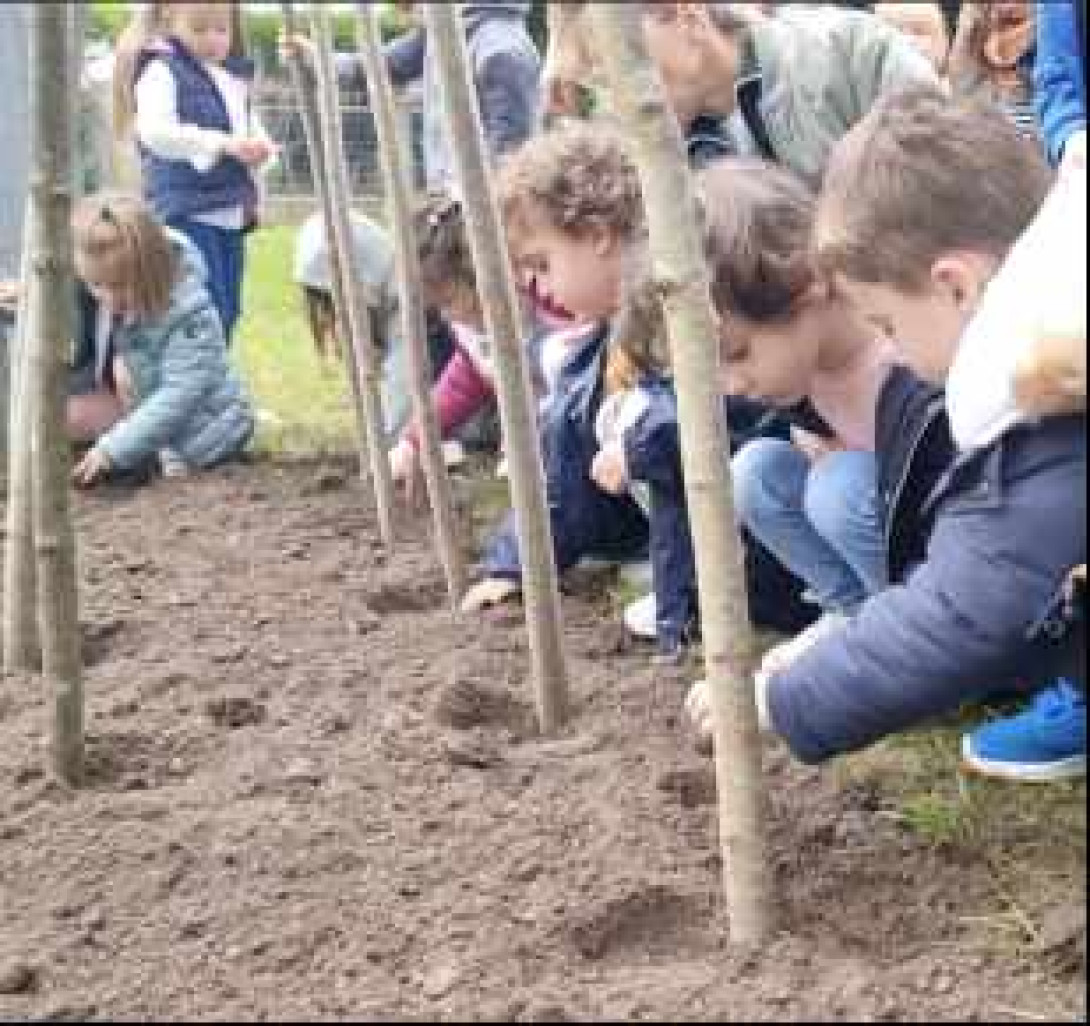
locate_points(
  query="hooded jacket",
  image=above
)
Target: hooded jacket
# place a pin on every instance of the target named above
(506, 68)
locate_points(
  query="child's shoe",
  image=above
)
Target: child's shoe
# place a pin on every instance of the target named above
(1044, 742)
(172, 464)
(640, 617)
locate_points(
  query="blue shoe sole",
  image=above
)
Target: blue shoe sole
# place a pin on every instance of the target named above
(1070, 768)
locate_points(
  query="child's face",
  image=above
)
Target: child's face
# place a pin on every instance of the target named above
(204, 28)
(924, 24)
(112, 294)
(774, 361)
(925, 325)
(570, 277)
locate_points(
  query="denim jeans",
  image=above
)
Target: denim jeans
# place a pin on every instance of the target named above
(821, 520)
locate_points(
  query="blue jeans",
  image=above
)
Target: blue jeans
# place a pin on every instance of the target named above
(821, 520)
(223, 250)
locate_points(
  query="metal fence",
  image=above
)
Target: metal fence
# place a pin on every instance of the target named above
(290, 178)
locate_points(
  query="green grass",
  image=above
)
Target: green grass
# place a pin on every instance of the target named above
(304, 407)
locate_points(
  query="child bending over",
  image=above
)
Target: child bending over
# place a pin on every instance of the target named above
(920, 204)
(160, 381)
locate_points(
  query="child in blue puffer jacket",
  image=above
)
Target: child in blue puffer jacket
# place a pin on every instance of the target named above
(158, 377)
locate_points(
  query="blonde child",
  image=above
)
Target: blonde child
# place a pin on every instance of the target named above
(184, 93)
(160, 374)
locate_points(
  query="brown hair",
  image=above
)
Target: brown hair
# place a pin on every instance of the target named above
(756, 220)
(577, 178)
(442, 244)
(920, 176)
(151, 23)
(118, 243)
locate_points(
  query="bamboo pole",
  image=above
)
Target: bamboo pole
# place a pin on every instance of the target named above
(446, 43)
(359, 321)
(306, 89)
(21, 650)
(682, 280)
(50, 306)
(410, 290)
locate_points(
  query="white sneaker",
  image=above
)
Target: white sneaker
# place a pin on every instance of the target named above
(780, 657)
(172, 464)
(454, 453)
(639, 617)
(501, 468)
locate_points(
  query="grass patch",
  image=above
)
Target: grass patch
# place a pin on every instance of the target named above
(304, 407)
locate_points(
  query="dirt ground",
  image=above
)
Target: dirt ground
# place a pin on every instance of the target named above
(313, 793)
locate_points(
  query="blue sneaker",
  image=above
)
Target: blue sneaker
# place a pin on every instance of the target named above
(1045, 742)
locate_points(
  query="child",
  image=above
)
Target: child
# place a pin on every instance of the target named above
(571, 202)
(160, 375)
(188, 101)
(993, 55)
(640, 452)
(764, 73)
(811, 499)
(375, 259)
(1009, 518)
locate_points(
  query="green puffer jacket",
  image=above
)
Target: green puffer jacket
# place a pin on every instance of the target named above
(809, 74)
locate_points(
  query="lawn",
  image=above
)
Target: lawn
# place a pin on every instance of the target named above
(305, 408)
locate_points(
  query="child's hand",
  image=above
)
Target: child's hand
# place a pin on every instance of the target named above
(489, 592)
(812, 446)
(295, 45)
(1074, 156)
(251, 150)
(94, 465)
(609, 471)
(9, 294)
(405, 468)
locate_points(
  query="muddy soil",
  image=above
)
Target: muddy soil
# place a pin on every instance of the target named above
(315, 793)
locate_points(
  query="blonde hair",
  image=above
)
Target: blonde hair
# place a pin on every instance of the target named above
(153, 22)
(119, 244)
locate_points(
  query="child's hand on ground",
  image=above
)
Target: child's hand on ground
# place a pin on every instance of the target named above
(608, 470)
(251, 150)
(94, 465)
(405, 468)
(489, 592)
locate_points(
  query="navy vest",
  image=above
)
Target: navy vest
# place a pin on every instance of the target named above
(174, 188)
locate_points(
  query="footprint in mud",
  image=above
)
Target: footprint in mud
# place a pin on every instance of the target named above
(651, 918)
(234, 711)
(465, 702)
(420, 596)
(689, 787)
(96, 640)
(129, 761)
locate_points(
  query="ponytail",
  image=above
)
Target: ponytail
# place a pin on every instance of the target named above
(148, 24)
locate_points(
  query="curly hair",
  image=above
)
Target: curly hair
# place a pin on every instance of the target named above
(577, 177)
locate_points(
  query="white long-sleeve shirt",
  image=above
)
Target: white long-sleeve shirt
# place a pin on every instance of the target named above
(158, 128)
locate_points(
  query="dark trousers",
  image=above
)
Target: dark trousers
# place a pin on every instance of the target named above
(223, 250)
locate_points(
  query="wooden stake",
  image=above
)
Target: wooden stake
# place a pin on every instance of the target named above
(306, 89)
(682, 279)
(50, 304)
(410, 290)
(496, 286)
(22, 653)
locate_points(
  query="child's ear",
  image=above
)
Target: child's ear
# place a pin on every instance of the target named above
(960, 280)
